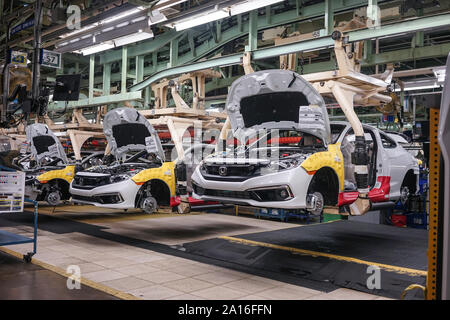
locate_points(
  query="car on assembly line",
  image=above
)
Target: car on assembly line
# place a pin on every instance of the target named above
(137, 176)
(48, 170)
(292, 157)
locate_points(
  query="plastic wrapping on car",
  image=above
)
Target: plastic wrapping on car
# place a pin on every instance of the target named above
(127, 130)
(44, 143)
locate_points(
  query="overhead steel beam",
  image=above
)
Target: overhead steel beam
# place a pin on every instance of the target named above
(104, 100)
(314, 44)
(240, 30)
(434, 51)
(409, 26)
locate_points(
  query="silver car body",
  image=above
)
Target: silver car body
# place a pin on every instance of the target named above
(249, 111)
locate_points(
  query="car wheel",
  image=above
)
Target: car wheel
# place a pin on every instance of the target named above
(315, 203)
(404, 195)
(54, 198)
(149, 205)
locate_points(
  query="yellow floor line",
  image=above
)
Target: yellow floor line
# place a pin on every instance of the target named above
(387, 267)
(132, 217)
(122, 217)
(84, 281)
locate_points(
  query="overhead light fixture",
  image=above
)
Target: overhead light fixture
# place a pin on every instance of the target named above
(122, 15)
(132, 38)
(122, 41)
(421, 84)
(202, 19)
(97, 48)
(439, 73)
(170, 3)
(79, 30)
(221, 13)
(250, 5)
(128, 27)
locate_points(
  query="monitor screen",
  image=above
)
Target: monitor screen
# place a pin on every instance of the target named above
(67, 87)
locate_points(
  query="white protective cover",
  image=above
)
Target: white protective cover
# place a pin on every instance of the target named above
(44, 143)
(313, 118)
(146, 139)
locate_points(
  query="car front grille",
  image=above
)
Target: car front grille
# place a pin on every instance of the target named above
(102, 199)
(237, 172)
(90, 182)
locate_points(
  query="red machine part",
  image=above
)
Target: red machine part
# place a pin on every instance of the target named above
(381, 191)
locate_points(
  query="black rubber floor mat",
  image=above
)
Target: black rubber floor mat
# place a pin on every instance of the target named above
(318, 273)
(404, 247)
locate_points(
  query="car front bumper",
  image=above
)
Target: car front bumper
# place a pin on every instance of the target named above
(127, 190)
(297, 180)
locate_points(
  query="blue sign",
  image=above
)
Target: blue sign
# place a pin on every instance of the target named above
(22, 26)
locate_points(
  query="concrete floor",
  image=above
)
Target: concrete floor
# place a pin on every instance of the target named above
(20, 280)
(131, 254)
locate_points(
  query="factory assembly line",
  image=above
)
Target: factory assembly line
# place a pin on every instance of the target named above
(225, 150)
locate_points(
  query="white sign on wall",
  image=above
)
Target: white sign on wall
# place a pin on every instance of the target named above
(12, 191)
(50, 59)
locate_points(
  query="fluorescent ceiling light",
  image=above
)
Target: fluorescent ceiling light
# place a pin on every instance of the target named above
(419, 85)
(221, 13)
(97, 48)
(122, 15)
(199, 20)
(141, 35)
(250, 5)
(439, 73)
(79, 30)
(171, 4)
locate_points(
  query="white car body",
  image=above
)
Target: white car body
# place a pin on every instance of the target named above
(126, 183)
(215, 179)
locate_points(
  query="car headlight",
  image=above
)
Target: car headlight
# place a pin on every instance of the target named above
(123, 176)
(281, 164)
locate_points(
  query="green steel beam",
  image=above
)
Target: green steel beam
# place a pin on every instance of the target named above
(105, 100)
(253, 31)
(427, 52)
(414, 25)
(124, 70)
(91, 76)
(139, 68)
(329, 16)
(192, 43)
(418, 24)
(173, 53)
(161, 40)
(107, 79)
(240, 30)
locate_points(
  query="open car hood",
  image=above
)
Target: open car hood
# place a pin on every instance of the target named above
(276, 99)
(44, 143)
(127, 130)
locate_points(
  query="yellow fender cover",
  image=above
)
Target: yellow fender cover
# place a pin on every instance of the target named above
(65, 174)
(332, 158)
(165, 173)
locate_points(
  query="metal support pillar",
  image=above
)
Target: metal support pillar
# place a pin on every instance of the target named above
(37, 50)
(124, 70)
(253, 31)
(91, 75)
(139, 68)
(107, 79)
(268, 15)
(329, 17)
(433, 285)
(173, 53)
(154, 61)
(444, 142)
(147, 97)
